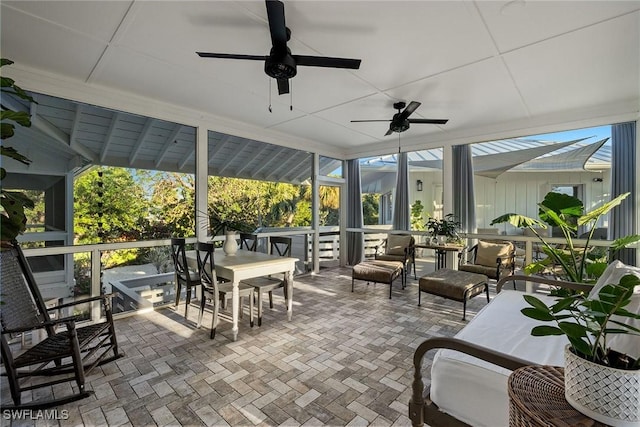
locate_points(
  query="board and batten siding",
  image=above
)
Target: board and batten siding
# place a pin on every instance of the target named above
(518, 192)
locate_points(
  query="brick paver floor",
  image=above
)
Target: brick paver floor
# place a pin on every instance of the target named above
(344, 359)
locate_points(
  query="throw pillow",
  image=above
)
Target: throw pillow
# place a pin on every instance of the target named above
(487, 253)
(396, 243)
(624, 343)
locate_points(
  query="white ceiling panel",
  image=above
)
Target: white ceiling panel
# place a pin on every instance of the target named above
(608, 74)
(30, 41)
(96, 19)
(327, 132)
(191, 90)
(519, 23)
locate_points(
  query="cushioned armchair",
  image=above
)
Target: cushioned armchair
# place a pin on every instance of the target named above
(398, 247)
(494, 259)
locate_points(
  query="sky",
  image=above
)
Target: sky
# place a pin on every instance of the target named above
(599, 133)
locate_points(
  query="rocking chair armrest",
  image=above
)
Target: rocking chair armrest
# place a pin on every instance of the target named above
(52, 322)
(82, 301)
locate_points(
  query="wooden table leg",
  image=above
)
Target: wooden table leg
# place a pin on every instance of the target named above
(235, 305)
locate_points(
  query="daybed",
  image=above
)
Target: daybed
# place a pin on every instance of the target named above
(468, 390)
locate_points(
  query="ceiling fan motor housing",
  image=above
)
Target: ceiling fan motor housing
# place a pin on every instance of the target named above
(399, 125)
(280, 66)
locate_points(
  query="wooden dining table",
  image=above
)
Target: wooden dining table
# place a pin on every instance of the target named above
(247, 265)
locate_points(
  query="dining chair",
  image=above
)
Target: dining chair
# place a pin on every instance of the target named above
(183, 276)
(213, 289)
(249, 242)
(280, 246)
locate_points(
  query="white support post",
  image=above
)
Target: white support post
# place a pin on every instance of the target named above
(201, 179)
(315, 212)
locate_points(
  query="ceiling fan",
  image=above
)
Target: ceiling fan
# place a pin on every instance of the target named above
(401, 121)
(280, 63)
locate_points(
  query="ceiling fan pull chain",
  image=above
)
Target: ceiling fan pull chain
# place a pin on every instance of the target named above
(270, 110)
(291, 97)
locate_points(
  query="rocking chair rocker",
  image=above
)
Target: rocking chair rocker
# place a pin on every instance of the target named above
(67, 354)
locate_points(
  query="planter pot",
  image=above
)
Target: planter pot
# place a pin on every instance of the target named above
(441, 239)
(230, 246)
(608, 395)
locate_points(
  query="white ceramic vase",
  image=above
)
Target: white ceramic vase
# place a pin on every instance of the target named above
(608, 395)
(230, 246)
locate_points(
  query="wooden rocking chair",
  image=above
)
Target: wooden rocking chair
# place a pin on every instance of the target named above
(69, 351)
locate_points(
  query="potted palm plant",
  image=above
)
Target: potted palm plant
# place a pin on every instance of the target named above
(601, 380)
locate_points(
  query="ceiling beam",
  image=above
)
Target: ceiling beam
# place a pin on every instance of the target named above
(217, 148)
(274, 157)
(257, 156)
(140, 141)
(109, 136)
(170, 141)
(303, 168)
(231, 159)
(185, 159)
(282, 166)
(73, 137)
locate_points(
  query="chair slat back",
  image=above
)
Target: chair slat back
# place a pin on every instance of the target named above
(179, 255)
(248, 241)
(281, 246)
(206, 264)
(22, 303)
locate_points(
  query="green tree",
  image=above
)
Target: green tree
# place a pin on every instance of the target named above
(172, 204)
(109, 206)
(370, 204)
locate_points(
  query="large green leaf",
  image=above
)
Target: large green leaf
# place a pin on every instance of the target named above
(599, 211)
(562, 304)
(543, 331)
(556, 219)
(573, 329)
(581, 346)
(536, 303)
(517, 220)
(13, 153)
(537, 314)
(625, 241)
(560, 204)
(7, 130)
(21, 117)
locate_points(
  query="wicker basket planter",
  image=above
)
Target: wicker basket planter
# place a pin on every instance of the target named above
(608, 395)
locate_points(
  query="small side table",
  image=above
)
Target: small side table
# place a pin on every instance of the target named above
(536, 399)
(446, 254)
